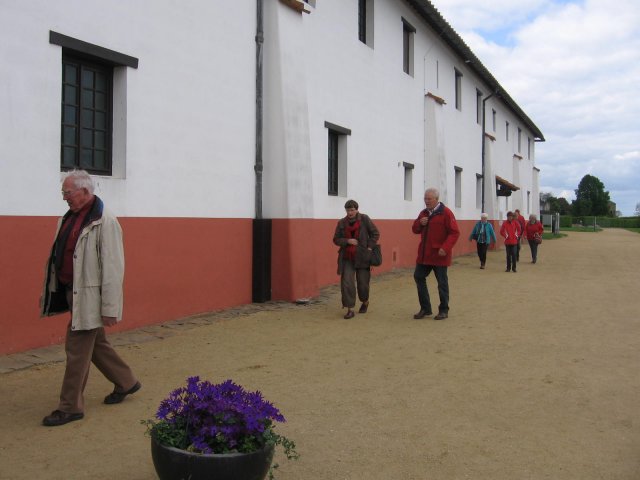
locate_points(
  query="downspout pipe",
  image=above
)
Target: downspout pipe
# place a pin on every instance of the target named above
(258, 167)
(484, 128)
(261, 259)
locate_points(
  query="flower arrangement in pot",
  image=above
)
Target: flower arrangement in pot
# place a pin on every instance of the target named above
(218, 431)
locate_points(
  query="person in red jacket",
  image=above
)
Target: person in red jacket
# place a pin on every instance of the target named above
(511, 232)
(533, 232)
(438, 232)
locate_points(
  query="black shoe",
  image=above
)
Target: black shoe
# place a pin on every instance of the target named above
(441, 316)
(422, 313)
(58, 417)
(508, 270)
(514, 270)
(117, 397)
(350, 314)
(364, 307)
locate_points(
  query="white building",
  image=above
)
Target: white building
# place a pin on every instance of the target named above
(197, 131)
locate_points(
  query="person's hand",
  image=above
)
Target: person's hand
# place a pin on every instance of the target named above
(109, 321)
(352, 241)
(442, 252)
(424, 221)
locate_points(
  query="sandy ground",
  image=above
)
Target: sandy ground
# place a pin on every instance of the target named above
(533, 376)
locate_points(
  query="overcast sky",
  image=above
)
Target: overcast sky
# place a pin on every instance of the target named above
(574, 68)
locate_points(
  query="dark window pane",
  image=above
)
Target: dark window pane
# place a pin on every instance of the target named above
(69, 136)
(99, 140)
(100, 119)
(86, 158)
(69, 95)
(70, 114)
(87, 138)
(68, 156)
(101, 82)
(87, 98)
(87, 79)
(99, 160)
(70, 72)
(86, 119)
(100, 101)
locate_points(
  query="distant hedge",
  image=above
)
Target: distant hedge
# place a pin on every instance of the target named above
(604, 222)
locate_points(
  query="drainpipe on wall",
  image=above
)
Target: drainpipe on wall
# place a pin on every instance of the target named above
(261, 261)
(484, 123)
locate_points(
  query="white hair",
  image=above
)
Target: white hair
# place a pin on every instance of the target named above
(434, 191)
(81, 179)
(484, 215)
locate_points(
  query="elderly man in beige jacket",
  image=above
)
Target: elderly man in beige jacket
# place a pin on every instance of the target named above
(84, 275)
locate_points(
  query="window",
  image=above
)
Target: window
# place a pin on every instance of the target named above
(458, 186)
(493, 119)
(478, 191)
(90, 76)
(408, 180)
(365, 22)
(458, 88)
(86, 115)
(519, 139)
(408, 32)
(506, 131)
(478, 106)
(528, 147)
(337, 159)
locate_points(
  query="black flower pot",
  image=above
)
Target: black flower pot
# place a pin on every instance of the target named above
(175, 464)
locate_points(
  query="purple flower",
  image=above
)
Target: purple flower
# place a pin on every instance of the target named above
(218, 418)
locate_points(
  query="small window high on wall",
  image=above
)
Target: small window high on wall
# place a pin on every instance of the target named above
(337, 159)
(408, 32)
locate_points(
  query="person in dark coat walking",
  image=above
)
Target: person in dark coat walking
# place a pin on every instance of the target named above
(356, 235)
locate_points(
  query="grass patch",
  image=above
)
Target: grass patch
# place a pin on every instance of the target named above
(581, 229)
(634, 229)
(551, 236)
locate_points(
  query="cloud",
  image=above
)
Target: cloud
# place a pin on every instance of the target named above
(574, 68)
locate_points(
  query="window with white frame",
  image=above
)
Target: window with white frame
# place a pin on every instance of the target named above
(408, 180)
(92, 126)
(528, 147)
(493, 119)
(337, 159)
(506, 131)
(458, 88)
(478, 190)
(478, 107)
(365, 22)
(458, 184)
(519, 139)
(408, 33)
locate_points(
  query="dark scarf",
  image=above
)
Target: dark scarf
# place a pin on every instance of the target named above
(351, 230)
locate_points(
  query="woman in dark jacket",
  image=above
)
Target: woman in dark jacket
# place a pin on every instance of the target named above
(356, 235)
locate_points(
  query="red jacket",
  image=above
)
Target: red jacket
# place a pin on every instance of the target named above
(533, 228)
(441, 232)
(511, 232)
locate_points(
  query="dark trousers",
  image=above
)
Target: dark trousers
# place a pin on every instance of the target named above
(482, 252)
(534, 250)
(518, 249)
(84, 347)
(512, 252)
(420, 275)
(351, 276)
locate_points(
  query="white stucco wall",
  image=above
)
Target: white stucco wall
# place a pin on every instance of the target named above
(189, 147)
(319, 69)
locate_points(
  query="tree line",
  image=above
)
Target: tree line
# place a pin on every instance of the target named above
(591, 200)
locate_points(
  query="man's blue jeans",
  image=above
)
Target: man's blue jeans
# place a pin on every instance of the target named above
(420, 276)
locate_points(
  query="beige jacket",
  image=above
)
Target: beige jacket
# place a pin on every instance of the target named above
(98, 273)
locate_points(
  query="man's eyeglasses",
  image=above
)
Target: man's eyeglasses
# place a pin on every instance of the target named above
(68, 193)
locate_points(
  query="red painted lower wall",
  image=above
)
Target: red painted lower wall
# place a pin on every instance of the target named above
(176, 267)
